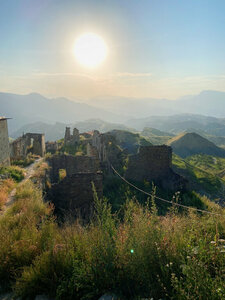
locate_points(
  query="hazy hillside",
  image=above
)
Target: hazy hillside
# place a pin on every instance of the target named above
(129, 141)
(179, 123)
(211, 103)
(188, 144)
(155, 136)
(56, 131)
(25, 109)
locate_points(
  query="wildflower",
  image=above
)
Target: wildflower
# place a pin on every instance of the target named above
(212, 242)
(221, 240)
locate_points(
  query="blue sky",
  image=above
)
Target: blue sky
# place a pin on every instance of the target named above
(157, 48)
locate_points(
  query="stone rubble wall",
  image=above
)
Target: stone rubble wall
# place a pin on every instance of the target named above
(74, 195)
(72, 164)
(20, 147)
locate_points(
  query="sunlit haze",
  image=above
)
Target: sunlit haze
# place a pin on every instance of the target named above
(85, 49)
(90, 50)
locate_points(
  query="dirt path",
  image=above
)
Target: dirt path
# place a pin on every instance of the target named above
(29, 171)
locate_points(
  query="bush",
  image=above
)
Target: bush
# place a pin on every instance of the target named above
(14, 172)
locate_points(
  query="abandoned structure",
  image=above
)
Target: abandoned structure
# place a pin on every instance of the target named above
(151, 163)
(29, 143)
(51, 147)
(154, 164)
(71, 139)
(74, 193)
(4, 143)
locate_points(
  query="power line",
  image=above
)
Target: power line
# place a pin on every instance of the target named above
(161, 199)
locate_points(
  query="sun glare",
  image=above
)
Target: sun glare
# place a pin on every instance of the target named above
(90, 50)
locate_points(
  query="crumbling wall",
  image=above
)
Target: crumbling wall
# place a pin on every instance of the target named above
(72, 164)
(29, 141)
(4, 143)
(152, 162)
(71, 139)
(51, 147)
(74, 194)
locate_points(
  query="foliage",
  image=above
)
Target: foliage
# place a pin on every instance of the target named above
(14, 172)
(201, 172)
(140, 255)
(25, 162)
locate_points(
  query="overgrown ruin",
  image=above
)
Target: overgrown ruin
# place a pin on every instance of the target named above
(28, 143)
(74, 193)
(71, 139)
(154, 163)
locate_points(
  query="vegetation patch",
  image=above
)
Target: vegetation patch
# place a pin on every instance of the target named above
(136, 254)
(14, 172)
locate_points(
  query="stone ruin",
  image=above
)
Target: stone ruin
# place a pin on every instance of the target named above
(28, 143)
(51, 147)
(71, 139)
(4, 143)
(154, 164)
(73, 194)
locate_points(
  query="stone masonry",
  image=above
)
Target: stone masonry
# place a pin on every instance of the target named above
(74, 194)
(33, 142)
(4, 143)
(152, 162)
(72, 165)
(71, 139)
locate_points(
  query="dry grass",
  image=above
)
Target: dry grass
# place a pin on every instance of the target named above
(5, 187)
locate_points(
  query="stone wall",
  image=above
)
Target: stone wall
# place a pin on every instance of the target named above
(74, 194)
(33, 142)
(4, 143)
(154, 164)
(151, 163)
(71, 139)
(72, 164)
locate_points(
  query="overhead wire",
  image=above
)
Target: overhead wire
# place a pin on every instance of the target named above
(162, 199)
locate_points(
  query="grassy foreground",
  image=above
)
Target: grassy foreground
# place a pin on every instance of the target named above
(140, 255)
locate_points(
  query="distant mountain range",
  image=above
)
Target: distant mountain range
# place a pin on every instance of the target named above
(209, 103)
(25, 109)
(179, 123)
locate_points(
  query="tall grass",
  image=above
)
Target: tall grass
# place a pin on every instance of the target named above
(5, 187)
(139, 255)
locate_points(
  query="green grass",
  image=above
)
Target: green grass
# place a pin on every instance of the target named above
(14, 172)
(202, 172)
(137, 255)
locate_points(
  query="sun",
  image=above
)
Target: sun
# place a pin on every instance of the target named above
(90, 50)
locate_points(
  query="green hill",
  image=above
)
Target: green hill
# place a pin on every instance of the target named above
(129, 141)
(155, 136)
(188, 144)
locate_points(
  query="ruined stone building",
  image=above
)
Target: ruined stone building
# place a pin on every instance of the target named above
(51, 147)
(4, 143)
(71, 139)
(154, 164)
(74, 193)
(28, 143)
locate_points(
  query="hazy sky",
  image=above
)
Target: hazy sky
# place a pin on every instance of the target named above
(156, 48)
